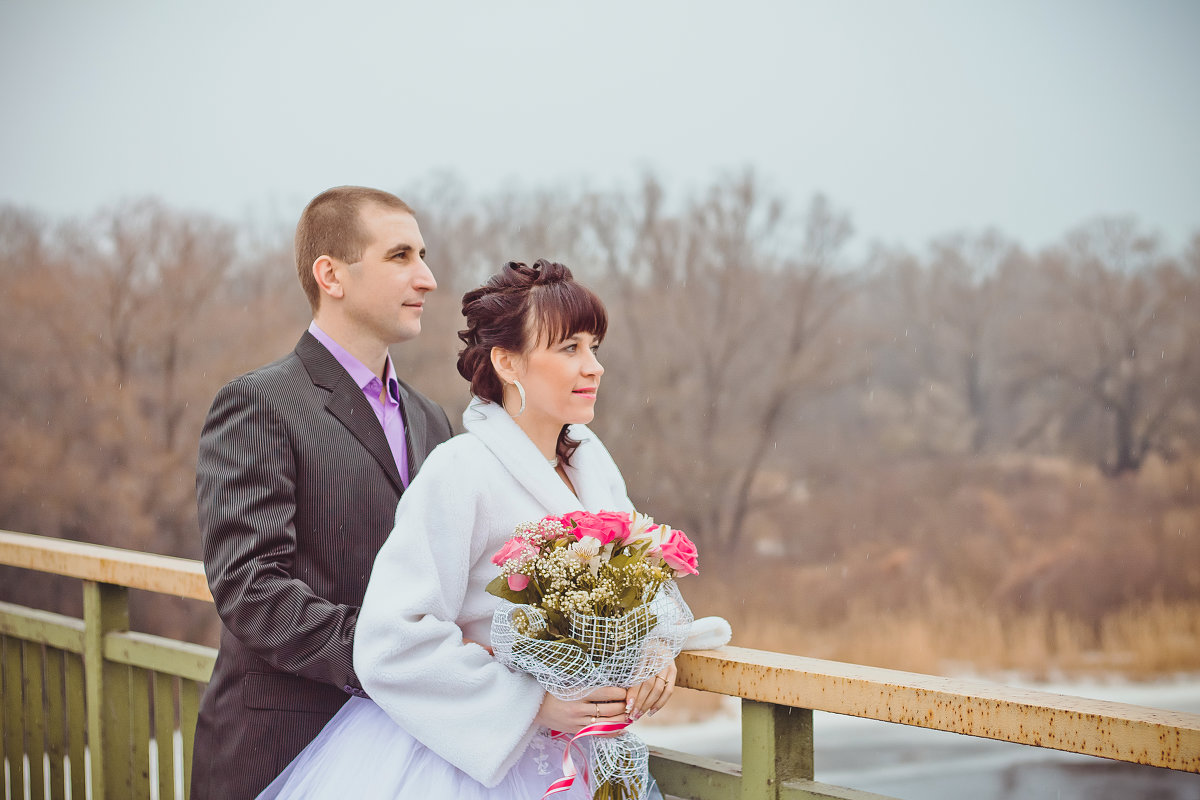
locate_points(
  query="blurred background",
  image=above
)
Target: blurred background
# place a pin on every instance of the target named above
(904, 296)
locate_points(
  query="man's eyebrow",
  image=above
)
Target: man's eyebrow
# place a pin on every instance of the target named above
(398, 249)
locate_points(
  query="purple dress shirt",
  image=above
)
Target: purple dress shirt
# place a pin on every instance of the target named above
(387, 411)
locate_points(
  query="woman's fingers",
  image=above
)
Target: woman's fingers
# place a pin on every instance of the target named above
(666, 682)
(606, 702)
(613, 704)
(603, 705)
(607, 694)
(642, 699)
(652, 694)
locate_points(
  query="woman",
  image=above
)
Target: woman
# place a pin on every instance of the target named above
(445, 718)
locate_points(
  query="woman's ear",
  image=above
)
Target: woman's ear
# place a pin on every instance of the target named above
(505, 363)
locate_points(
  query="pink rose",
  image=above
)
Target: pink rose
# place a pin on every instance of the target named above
(620, 523)
(577, 519)
(679, 553)
(513, 548)
(605, 526)
(517, 582)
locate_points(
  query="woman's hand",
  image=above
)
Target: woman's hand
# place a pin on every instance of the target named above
(489, 650)
(571, 716)
(652, 694)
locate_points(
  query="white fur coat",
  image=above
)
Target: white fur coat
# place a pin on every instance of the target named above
(426, 593)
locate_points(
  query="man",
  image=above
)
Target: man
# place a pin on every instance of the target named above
(301, 465)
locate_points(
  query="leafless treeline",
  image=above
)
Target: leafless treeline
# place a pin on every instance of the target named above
(751, 358)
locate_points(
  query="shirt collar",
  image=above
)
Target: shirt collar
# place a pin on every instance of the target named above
(359, 372)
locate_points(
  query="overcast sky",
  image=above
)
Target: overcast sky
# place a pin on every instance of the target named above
(918, 118)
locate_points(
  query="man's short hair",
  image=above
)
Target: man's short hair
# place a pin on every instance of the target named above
(331, 225)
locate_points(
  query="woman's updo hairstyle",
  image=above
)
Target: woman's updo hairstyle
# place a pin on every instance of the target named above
(518, 308)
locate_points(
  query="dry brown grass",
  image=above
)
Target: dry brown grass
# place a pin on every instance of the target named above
(1016, 563)
(1139, 642)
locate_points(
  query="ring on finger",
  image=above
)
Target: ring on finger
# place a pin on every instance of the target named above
(661, 678)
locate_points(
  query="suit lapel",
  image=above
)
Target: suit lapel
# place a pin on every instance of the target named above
(348, 404)
(414, 431)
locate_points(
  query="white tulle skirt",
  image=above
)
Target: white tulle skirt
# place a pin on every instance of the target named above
(363, 754)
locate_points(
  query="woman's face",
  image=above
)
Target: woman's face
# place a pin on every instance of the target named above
(561, 380)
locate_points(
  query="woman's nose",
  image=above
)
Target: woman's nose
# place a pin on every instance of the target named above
(593, 366)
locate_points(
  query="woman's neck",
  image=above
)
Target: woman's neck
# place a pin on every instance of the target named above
(543, 434)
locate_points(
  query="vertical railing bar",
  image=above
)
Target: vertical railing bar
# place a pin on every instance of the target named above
(76, 724)
(777, 746)
(189, 714)
(93, 672)
(105, 609)
(3, 723)
(164, 733)
(139, 731)
(118, 750)
(56, 723)
(35, 717)
(797, 748)
(758, 752)
(14, 730)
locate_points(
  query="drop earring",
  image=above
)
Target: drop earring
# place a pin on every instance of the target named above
(520, 391)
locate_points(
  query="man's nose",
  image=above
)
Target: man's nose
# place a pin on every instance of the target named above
(424, 279)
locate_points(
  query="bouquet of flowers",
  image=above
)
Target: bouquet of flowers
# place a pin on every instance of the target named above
(593, 602)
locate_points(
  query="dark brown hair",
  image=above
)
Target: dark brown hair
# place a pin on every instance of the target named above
(518, 308)
(331, 225)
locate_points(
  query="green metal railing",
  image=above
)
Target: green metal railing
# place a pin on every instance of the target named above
(84, 699)
(144, 689)
(91, 708)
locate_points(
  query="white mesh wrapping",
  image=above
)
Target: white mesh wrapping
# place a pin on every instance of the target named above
(617, 651)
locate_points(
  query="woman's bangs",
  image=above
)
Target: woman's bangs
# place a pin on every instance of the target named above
(566, 308)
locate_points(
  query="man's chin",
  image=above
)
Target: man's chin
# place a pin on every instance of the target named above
(407, 333)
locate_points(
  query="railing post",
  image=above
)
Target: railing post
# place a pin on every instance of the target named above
(106, 609)
(777, 746)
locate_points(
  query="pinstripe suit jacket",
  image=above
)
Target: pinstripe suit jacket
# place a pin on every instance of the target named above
(297, 490)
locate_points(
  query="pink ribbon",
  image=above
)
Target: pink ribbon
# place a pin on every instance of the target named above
(568, 764)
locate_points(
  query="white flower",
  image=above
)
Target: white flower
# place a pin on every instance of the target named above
(587, 550)
(642, 529)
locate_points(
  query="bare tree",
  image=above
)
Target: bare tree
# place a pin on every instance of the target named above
(727, 320)
(1113, 336)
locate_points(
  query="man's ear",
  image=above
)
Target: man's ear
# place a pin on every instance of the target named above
(329, 281)
(505, 364)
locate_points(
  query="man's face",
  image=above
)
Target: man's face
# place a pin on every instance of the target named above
(385, 289)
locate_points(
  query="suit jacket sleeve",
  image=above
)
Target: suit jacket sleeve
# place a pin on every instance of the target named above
(246, 485)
